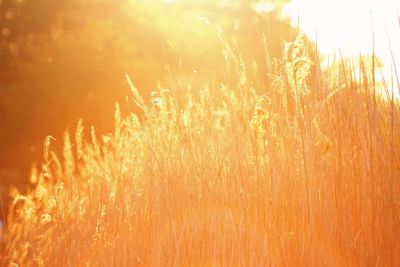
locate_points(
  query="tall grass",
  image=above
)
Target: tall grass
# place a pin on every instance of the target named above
(301, 173)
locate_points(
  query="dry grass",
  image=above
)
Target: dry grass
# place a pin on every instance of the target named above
(304, 173)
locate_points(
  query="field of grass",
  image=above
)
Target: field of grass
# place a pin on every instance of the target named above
(300, 173)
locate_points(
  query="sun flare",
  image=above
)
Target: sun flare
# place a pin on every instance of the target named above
(349, 26)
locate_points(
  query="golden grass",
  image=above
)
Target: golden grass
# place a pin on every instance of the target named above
(304, 173)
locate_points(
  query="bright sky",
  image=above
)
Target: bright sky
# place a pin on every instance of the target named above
(347, 25)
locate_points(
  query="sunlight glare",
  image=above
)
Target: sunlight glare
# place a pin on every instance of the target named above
(348, 26)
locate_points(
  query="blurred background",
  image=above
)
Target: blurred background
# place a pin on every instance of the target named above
(65, 60)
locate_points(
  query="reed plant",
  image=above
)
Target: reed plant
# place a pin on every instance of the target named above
(299, 172)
